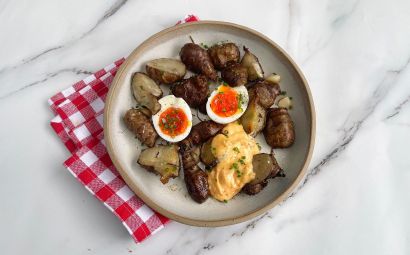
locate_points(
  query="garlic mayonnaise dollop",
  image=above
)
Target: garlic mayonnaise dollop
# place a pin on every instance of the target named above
(234, 150)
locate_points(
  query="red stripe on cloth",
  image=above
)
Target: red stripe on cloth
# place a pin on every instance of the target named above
(79, 125)
(102, 179)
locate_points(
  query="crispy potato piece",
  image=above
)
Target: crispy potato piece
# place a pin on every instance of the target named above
(252, 64)
(253, 120)
(162, 160)
(166, 70)
(265, 166)
(197, 60)
(279, 131)
(146, 91)
(235, 75)
(207, 157)
(137, 121)
(223, 54)
(273, 78)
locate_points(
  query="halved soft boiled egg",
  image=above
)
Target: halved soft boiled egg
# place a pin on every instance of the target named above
(227, 104)
(174, 121)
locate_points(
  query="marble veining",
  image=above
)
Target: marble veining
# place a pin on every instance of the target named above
(355, 196)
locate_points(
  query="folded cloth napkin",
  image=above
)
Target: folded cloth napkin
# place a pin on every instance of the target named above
(79, 124)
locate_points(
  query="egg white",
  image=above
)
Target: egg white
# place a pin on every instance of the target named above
(167, 102)
(225, 120)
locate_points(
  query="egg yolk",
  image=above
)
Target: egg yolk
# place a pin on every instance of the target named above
(226, 102)
(173, 121)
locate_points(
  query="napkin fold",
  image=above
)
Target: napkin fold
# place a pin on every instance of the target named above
(79, 125)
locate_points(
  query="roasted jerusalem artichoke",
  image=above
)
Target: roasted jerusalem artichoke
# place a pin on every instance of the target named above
(141, 126)
(223, 54)
(197, 60)
(279, 131)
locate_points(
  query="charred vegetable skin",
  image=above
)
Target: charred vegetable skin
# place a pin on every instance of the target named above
(279, 130)
(265, 167)
(235, 75)
(223, 54)
(162, 160)
(193, 90)
(165, 70)
(141, 126)
(197, 60)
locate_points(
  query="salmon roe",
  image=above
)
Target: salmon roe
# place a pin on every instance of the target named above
(173, 121)
(225, 102)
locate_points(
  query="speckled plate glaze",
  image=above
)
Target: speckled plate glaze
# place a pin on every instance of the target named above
(172, 199)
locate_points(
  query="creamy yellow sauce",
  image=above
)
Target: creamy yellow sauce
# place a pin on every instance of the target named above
(234, 150)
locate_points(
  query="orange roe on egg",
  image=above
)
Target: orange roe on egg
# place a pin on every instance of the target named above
(225, 102)
(173, 121)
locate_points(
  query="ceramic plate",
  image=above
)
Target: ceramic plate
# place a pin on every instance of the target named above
(172, 199)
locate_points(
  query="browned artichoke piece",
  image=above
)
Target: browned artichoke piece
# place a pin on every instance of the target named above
(223, 54)
(196, 182)
(162, 160)
(235, 75)
(265, 92)
(137, 121)
(197, 60)
(166, 70)
(193, 90)
(279, 131)
(252, 64)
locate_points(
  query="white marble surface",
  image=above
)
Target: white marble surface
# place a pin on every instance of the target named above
(355, 54)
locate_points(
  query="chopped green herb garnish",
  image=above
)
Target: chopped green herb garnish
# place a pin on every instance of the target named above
(241, 161)
(204, 45)
(240, 101)
(290, 98)
(235, 166)
(225, 132)
(283, 93)
(236, 149)
(259, 146)
(220, 92)
(225, 201)
(238, 173)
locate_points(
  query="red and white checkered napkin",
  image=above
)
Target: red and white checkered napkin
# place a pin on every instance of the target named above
(79, 124)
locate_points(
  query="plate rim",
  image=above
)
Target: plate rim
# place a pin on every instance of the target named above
(182, 219)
